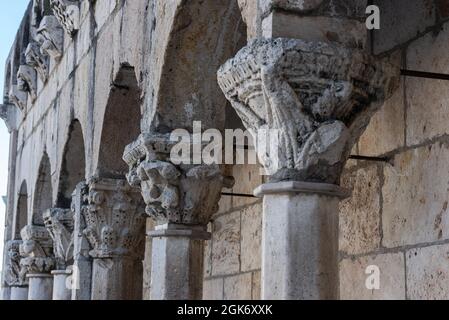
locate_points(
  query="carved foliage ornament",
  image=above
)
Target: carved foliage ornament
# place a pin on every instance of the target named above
(68, 14)
(59, 223)
(115, 219)
(13, 275)
(36, 250)
(319, 98)
(184, 194)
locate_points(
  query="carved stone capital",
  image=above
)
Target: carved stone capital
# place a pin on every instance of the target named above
(50, 36)
(27, 80)
(115, 219)
(59, 223)
(181, 194)
(316, 97)
(36, 250)
(8, 114)
(13, 275)
(18, 98)
(68, 14)
(37, 60)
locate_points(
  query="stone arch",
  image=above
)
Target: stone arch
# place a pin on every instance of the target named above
(73, 170)
(21, 218)
(43, 191)
(121, 124)
(203, 36)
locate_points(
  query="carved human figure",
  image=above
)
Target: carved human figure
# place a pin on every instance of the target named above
(318, 97)
(36, 250)
(13, 275)
(50, 37)
(37, 60)
(59, 223)
(182, 194)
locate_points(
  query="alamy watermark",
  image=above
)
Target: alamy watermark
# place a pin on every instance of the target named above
(234, 147)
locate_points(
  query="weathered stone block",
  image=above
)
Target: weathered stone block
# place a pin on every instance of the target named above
(427, 115)
(247, 179)
(256, 285)
(415, 205)
(213, 289)
(238, 287)
(360, 229)
(429, 52)
(386, 130)
(353, 278)
(251, 238)
(399, 26)
(428, 273)
(226, 244)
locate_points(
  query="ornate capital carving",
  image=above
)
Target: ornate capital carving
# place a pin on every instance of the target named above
(183, 194)
(18, 98)
(13, 275)
(27, 80)
(36, 250)
(115, 219)
(68, 14)
(37, 60)
(318, 97)
(59, 223)
(50, 37)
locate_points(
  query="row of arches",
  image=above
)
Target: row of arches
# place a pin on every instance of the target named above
(121, 125)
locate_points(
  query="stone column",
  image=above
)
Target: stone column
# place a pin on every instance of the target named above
(181, 199)
(115, 220)
(62, 285)
(9, 113)
(82, 267)
(306, 104)
(59, 224)
(37, 262)
(14, 279)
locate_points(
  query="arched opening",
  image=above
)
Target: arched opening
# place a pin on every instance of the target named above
(121, 124)
(204, 35)
(21, 218)
(43, 192)
(73, 169)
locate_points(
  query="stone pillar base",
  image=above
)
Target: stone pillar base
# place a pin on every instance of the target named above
(61, 285)
(19, 293)
(177, 262)
(40, 286)
(300, 240)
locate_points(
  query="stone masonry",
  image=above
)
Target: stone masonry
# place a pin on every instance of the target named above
(94, 88)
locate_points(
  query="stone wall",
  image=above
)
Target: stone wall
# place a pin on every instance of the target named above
(398, 216)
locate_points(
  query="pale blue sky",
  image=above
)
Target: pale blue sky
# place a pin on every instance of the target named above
(11, 13)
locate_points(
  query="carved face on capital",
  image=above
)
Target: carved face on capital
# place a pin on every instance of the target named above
(158, 183)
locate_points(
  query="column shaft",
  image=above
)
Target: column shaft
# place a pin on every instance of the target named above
(41, 286)
(300, 242)
(177, 264)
